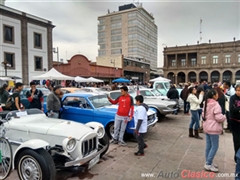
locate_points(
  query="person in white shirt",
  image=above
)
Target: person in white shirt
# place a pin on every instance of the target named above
(140, 121)
(194, 106)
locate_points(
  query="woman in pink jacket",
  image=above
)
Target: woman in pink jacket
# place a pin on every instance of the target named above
(212, 126)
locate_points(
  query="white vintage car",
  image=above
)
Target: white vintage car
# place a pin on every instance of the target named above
(39, 145)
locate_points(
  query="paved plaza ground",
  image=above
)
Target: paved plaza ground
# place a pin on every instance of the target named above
(171, 154)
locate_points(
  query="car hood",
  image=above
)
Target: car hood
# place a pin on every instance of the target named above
(40, 124)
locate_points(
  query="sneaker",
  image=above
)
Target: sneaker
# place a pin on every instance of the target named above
(216, 166)
(138, 154)
(122, 143)
(210, 168)
(114, 141)
(145, 146)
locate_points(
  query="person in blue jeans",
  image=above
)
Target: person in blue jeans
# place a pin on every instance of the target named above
(194, 106)
(212, 126)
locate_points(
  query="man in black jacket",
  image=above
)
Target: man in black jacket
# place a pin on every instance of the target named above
(173, 94)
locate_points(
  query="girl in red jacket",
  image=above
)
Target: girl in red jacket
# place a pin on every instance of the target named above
(212, 126)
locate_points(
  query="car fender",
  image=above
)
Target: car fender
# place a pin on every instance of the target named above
(31, 144)
(94, 125)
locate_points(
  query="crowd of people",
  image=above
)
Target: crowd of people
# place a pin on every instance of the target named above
(208, 104)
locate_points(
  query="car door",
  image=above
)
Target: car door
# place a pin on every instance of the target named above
(77, 109)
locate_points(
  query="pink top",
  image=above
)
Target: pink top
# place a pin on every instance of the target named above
(214, 118)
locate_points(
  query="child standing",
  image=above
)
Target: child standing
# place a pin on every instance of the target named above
(140, 120)
(212, 126)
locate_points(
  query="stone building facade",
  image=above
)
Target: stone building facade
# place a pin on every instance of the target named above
(211, 62)
(26, 44)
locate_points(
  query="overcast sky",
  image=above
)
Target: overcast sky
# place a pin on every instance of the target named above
(178, 22)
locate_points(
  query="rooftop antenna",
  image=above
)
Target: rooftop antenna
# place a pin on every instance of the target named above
(200, 30)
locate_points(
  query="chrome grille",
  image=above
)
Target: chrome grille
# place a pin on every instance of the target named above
(88, 146)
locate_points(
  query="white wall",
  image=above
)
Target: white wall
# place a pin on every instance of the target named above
(12, 48)
(36, 52)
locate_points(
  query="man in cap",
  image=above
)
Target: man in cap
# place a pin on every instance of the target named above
(35, 97)
(54, 102)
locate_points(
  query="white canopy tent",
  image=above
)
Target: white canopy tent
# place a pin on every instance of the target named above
(53, 74)
(160, 79)
(92, 79)
(80, 79)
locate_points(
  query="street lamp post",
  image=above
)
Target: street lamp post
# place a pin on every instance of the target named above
(55, 50)
(5, 65)
(113, 62)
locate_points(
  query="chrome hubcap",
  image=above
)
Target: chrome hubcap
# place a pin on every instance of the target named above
(30, 169)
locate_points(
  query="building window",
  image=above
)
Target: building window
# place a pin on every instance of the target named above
(203, 60)
(183, 62)
(239, 58)
(101, 34)
(116, 18)
(116, 31)
(215, 59)
(173, 62)
(116, 44)
(227, 59)
(101, 28)
(101, 40)
(101, 53)
(38, 63)
(101, 21)
(10, 59)
(116, 51)
(8, 34)
(116, 25)
(102, 46)
(116, 38)
(193, 61)
(37, 40)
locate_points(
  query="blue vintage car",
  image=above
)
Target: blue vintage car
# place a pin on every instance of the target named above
(88, 107)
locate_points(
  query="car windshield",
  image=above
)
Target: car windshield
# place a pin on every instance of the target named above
(167, 85)
(99, 101)
(156, 92)
(23, 113)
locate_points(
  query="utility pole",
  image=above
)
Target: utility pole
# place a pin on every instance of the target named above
(200, 30)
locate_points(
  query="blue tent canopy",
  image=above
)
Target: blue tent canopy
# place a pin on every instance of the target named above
(121, 80)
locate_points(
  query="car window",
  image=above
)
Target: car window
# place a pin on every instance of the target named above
(148, 93)
(157, 93)
(159, 86)
(76, 102)
(99, 101)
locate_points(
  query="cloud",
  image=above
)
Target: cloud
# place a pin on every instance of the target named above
(178, 21)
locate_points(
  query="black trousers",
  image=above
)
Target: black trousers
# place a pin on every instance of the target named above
(235, 127)
(140, 140)
(228, 120)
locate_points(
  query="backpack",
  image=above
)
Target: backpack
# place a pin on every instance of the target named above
(9, 103)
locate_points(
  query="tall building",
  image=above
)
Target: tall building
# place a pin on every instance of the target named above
(211, 62)
(25, 44)
(131, 32)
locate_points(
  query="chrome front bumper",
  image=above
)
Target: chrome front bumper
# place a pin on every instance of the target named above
(79, 162)
(152, 124)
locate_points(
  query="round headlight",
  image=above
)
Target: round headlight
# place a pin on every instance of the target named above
(100, 132)
(71, 144)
